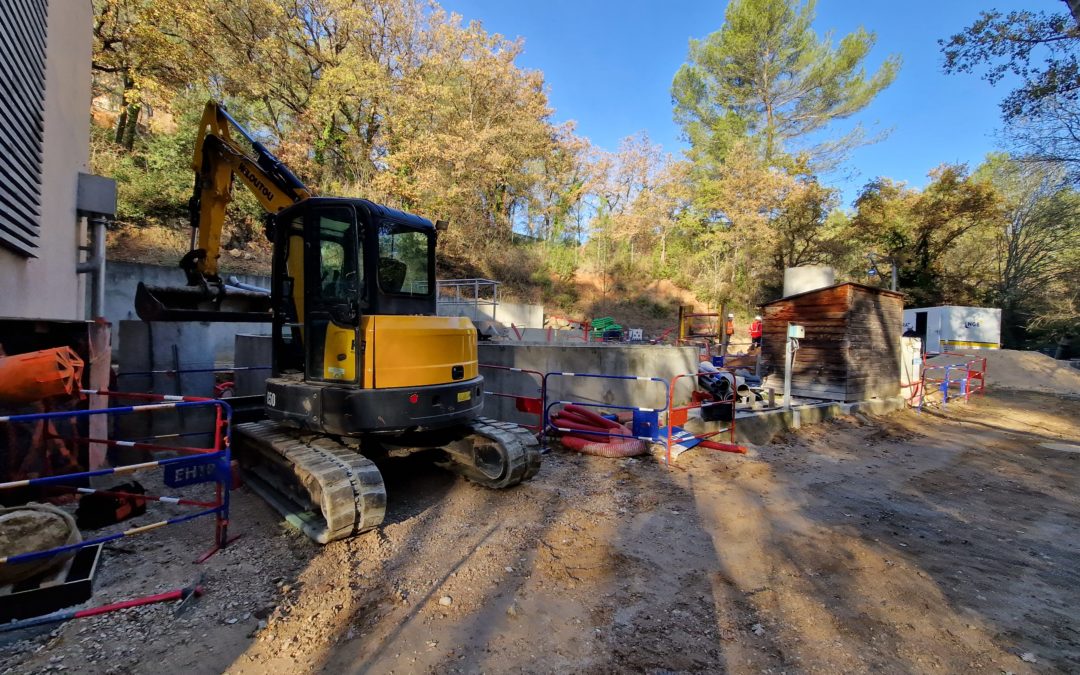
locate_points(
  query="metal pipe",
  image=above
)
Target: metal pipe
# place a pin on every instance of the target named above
(234, 281)
(95, 264)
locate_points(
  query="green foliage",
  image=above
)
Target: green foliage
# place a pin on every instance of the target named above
(153, 179)
(1036, 250)
(918, 229)
(1041, 48)
(766, 76)
(560, 260)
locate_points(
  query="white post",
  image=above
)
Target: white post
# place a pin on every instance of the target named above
(787, 370)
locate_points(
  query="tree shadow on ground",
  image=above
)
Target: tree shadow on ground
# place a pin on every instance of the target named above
(899, 544)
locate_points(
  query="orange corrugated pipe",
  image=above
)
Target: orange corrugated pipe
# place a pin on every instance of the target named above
(26, 378)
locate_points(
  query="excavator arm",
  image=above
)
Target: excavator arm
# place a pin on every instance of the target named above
(218, 159)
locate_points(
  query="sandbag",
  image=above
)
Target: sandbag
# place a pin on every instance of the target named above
(34, 527)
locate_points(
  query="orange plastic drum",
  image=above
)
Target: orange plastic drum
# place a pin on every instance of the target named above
(25, 378)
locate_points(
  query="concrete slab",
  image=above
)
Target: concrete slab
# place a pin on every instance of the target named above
(759, 428)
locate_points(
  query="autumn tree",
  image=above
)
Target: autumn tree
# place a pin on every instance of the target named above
(393, 100)
(142, 50)
(1035, 247)
(918, 229)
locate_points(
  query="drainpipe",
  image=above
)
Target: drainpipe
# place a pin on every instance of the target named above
(96, 201)
(94, 265)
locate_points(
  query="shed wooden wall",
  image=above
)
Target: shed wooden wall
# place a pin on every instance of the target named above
(874, 328)
(851, 348)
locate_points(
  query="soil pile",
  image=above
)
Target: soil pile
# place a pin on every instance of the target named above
(1028, 371)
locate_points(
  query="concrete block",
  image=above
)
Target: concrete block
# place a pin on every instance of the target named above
(164, 345)
(252, 351)
(759, 428)
(807, 278)
(634, 360)
(876, 406)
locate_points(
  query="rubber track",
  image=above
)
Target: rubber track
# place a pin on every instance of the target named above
(346, 486)
(520, 450)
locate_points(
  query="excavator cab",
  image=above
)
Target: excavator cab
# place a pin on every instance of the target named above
(354, 325)
(337, 261)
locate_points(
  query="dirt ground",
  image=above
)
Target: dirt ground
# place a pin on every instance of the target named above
(942, 542)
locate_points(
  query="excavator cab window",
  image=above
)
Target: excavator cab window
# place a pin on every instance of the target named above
(403, 259)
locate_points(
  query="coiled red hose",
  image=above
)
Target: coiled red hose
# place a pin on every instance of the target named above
(599, 441)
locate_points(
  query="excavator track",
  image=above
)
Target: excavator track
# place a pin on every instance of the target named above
(328, 490)
(496, 454)
(321, 486)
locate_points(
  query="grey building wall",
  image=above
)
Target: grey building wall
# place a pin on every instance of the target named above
(48, 286)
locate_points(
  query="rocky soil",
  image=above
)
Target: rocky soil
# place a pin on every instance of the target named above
(943, 542)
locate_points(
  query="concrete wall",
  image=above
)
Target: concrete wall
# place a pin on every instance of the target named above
(638, 360)
(516, 313)
(543, 336)
(252, 351)
(48, 287)
(807, 278)
(218, 339)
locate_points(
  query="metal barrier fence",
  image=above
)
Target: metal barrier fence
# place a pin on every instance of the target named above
(649, 414)
(529, 405)
(200, 465)
(968, 377)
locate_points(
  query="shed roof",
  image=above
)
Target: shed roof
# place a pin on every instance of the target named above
(872, 289)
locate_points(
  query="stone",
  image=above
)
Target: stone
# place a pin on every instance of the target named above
(446, 601)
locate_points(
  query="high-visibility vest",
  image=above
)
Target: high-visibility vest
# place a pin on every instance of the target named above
(755, 329)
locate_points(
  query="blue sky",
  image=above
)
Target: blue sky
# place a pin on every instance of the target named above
(609, 66)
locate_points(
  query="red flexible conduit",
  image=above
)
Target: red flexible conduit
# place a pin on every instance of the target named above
(599, 443)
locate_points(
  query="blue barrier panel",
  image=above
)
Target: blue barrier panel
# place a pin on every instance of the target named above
(219, 459)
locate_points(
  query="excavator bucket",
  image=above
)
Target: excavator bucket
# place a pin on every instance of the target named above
(214, 303)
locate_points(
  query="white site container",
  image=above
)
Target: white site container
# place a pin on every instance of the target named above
(949, 328)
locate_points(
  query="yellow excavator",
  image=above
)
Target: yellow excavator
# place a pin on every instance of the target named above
(361, 365)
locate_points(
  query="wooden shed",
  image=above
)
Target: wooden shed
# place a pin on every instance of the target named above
(851, 351)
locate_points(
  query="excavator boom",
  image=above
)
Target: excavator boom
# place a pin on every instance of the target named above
(217, 159)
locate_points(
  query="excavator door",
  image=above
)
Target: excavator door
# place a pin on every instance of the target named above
(319, 272)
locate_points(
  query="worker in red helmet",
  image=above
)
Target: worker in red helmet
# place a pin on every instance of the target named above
(755, 333)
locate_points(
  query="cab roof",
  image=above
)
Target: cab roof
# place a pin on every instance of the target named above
(373, 209)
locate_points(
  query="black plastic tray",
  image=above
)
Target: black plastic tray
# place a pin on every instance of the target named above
(45, 593)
